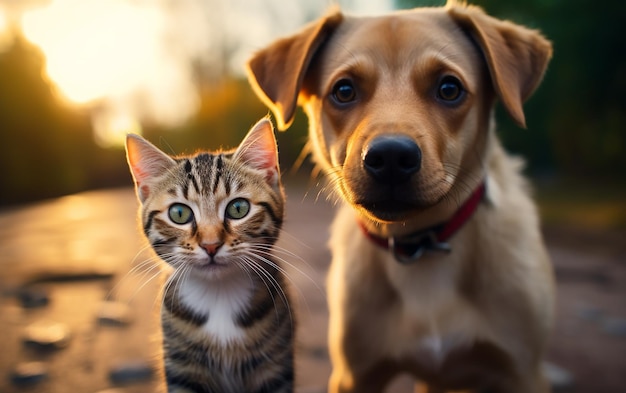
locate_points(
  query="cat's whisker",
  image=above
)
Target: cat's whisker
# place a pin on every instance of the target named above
(278, 249)
(284, 272)
(115, 292)
(176, 279)
(145, 283)
(142, 266)
(141, 251)
(259, 255)
(241, 265)
(146, 269)
(273, 250)
(295, 239)
(266, 251)
(272, 280)
(258, 270)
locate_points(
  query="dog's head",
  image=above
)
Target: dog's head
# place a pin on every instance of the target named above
(400, 105)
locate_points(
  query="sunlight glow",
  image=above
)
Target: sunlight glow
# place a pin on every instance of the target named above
(5, 35)
(94, 48)
(3, 20)
(110, 129)
(113, 57)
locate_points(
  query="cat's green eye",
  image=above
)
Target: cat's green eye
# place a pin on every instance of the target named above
(180, 214)
(237, 208)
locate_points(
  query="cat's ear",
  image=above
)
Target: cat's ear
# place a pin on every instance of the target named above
(147, 163)
(259, 150)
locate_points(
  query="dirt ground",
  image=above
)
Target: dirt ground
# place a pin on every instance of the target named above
(78, 251)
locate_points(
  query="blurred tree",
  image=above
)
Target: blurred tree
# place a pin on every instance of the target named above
(577, 118)
(39, 141)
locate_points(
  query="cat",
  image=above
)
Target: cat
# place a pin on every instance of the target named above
(213, 218)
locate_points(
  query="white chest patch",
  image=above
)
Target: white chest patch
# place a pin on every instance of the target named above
(431, 351)
(222, 302)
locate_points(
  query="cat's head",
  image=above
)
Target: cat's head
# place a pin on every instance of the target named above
(215, 213)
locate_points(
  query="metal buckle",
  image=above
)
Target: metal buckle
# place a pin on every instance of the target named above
(404, 253)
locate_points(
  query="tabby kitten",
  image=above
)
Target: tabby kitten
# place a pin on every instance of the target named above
(214, 218)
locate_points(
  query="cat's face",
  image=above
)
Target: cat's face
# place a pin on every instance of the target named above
(211, 214)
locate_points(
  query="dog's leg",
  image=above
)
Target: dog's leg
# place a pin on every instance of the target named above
(355, 348)
(363, 312)
(530, 384)
(371, 380)
(423, 388)
(533, 383)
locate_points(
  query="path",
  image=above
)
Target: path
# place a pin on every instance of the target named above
(75, 252)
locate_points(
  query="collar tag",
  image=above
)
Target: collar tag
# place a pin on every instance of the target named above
(409, 252)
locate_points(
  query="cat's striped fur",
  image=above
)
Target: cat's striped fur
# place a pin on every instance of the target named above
(226, 319)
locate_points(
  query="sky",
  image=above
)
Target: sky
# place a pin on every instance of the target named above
(125, 60)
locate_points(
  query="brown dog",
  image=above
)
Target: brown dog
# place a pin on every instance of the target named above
(439, 268)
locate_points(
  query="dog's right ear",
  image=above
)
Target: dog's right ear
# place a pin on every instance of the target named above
(276, 72)
(517, 57)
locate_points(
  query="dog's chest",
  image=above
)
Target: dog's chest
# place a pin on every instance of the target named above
(459, 359)
(431, 351)
(436, 321)
(430, 343)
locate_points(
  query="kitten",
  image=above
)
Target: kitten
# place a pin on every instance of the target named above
(214, 218)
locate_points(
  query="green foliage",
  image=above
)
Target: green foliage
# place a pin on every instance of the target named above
(41, 142)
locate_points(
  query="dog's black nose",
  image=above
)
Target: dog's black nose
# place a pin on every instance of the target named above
(392, 159)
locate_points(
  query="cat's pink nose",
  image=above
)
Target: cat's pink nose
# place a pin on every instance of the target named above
(211, 248)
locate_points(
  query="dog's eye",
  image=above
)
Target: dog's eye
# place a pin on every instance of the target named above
(450, 89)
(343, 92)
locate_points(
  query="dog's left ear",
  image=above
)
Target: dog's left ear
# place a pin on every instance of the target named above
(517, 57)
(276, 72)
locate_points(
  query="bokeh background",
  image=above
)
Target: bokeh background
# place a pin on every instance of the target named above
(77, 75)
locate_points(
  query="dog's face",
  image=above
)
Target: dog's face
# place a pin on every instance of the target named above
(400, 106)
(398, 110)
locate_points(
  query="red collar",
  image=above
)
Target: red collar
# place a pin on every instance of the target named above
(407, 249)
